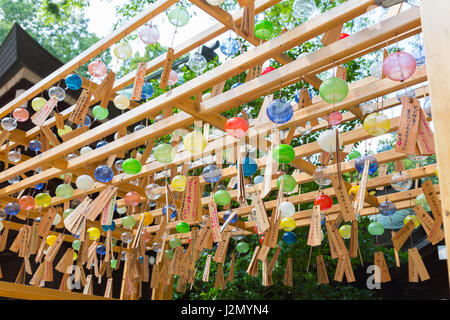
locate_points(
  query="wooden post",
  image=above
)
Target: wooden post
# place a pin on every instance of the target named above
(436, 26)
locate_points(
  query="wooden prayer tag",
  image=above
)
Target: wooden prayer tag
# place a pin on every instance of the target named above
(205, 277)
(343, 198)
(267, 183)
(252, 269)
(104, 90)
(50, 136)
(217, 89)
(248, 18)
(261, 215)
(79, 113)
(214, 221)
(46, 223)
(425, 136)
(341, 72)
(263, 252)
(332, 36)
(230, 277)
(191, 205)
(322, 276)
(427, 223)
(253, 72)
(203, 237)
(139, 81)
(222, 248)
(271, 237)
(167, 68)
(220, 281)
(419, 266)
(336, 240)
(400, 237)
(40, 116)
(288, 278)
(380, 262)
(432, 199)
(315, 234)
(59, 121)
(344, 267)
(412, 272)
(409, 125)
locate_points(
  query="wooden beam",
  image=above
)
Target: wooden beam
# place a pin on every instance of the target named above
(27, 292)
(436, 28)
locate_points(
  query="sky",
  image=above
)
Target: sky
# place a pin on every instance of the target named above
(102, 25)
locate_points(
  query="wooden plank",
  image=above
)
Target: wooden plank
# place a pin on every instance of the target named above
(437, 44)
(26, 292)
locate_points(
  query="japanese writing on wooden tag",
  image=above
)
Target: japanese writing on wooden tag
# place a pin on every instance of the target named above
(220, 280)
(80, 111)
(53, 250)
(46, 223)
(315, 234)
(432, 199)
(380, 262)
(222, 248)
(261, 215)
(39, 117)
(412, 272)
(418, 264)
(214, 222)
(203, 237)
(108, 212)
(344, 267)
(336, 240)
(345, 205)
(191, 200)
(425, 137)
(253, 72)
(271, 237)
(139, 81)
(263, 252)
(409, 125)
(167, 68)
(341, 72)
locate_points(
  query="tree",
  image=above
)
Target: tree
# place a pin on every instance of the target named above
(61, 31)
